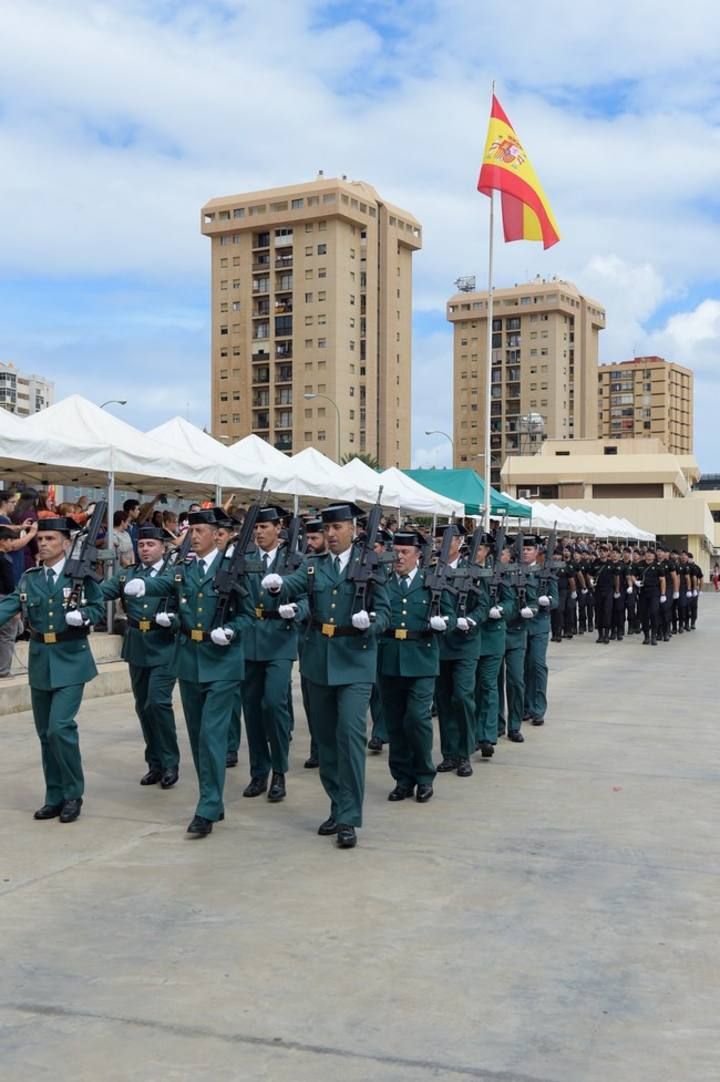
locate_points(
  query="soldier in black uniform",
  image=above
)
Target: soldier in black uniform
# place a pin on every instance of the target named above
(681, 603)
(617, 630)
(562, 619)
(605, 578)
(586, 600)
(631, 558)
(697, 581)
(669, 572)
(649, 580)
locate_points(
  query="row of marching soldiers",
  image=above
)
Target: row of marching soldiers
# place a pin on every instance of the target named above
(626, 591)
(228, 615)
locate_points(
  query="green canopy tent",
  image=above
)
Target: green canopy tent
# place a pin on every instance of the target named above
(466, 486)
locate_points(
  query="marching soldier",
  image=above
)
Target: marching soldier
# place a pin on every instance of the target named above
(606, 585)
(696, 575)
(668, 571)
(339, 661)
(511, 676)
(149, 649)
(209, 662)
(408, 663)
(649, 581)
(316, 545)
(379, 732)
(226, 534)
(498, 605)
(536, 671)
(60, 662)
(271, 647)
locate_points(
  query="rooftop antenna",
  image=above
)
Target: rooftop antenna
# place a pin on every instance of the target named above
(465, 284)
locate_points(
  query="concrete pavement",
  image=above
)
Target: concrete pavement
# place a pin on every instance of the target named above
(554, 918)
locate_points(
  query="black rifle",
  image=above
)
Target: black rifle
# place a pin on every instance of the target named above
(295, 546)
(465, 580)
(518, 571)
(550, 566)
(498, 569)
(83, 556)
(175, 557)
(438, 577)
(368, 566)
(229, 575)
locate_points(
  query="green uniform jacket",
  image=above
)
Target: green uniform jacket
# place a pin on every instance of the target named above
(411, 612)
(146, 649)
(350, 659)
(272, 639)
(540, 623)
(196, 600)
(465, 644)
(516, 627)
(61, 664)
(492, 632)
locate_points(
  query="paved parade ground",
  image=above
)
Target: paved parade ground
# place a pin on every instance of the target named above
(556, 917)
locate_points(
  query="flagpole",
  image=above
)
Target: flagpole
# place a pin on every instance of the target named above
(488, 367)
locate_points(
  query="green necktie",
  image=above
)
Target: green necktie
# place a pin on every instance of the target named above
(404, 584)
(201, 568)
(336, 565)
(265, 562)
(50, 576)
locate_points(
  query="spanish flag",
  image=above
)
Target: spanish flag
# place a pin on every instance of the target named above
(506, 168)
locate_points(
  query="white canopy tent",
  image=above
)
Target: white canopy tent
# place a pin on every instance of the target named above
(406, 494)
(259, 460)
(581, 521)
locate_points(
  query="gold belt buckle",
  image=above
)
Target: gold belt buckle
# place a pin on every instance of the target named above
(259, 612)
(144, 625)
(50, 637)
(196, 636)
(400, 633)
(329, 630)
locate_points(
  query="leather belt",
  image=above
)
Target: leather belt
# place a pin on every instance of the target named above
(194, 634)
(265, 614)
(149, 625)
(333, 630)
(51, 637)
(402, 634)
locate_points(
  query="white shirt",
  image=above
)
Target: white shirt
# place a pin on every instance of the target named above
(409, 575)
(271, 554)
(153, 568)
(344, 558)
(209, 558)
(58, 567)
(454, 563)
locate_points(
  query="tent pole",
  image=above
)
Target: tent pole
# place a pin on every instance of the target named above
(218, 495)
(296, 504)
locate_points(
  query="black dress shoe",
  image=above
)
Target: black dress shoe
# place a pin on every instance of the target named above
(169, 778)
(464, 768)
(311, 762)
(70, 810)
(423, 793)
(152, 777)
(328, 827)
(401, 792)
(375, 744)
(487, 750)
(48, 811)
(538, 721)
(447, 765)
(231, 759)
(516, 737)
(277, 788)
(200, 827)
(346, 836)
(256, 787)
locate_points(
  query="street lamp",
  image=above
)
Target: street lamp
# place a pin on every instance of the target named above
(439, 432)
(114, 402)
(314, 394)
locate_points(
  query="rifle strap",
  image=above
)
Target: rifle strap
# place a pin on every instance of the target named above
(311, 585)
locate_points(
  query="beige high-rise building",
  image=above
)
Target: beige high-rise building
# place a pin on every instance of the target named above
(647, 396)
(544, 370)
(24, 393)
(311, 296)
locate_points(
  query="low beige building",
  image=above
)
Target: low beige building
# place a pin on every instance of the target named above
(647, 397)
(637, 479)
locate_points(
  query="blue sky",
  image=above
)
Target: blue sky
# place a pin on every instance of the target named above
(119, 120)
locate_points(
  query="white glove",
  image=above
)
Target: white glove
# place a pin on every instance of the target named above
(616, 596)
(360, 620)
(288, 612)
(495, 613)
(74, 618)
(663, 599)
(583, 592)
(462, 623)
(544, 600)
(628, 590)
(135, 588)
(694, 593)
(272, 583)
(163, 619)
(676, 595)
(222, 636)
(689, 594)
(527, 613)
(440, 623)
(573, 595)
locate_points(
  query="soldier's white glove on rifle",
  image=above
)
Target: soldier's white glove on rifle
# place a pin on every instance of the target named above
(440, 623)
(222, 636)
(495, 613)
(361, 620)
(135, 588)
(272, 583)
(163, 619)
(689, 593)
(544, 600)
(629, 590)
(663, 599)
(74, 618)
(527, 613)
(573, 595)
(463, 623)
(676, 595)
(288, 612)
(616, 596)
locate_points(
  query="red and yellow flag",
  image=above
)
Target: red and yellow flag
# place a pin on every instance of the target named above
(506, 168)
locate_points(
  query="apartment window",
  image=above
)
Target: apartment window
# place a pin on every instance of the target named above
(321, 249)
(223, 262)
(352, 298)
(321, 435)
(352, 345)
(308, 414)
(239, 212)
(296, 204)
(223, 283)
(308, 298)
(322, 319)
(223, 330)
(224, 307)
(308, 249)
(322, 343)
(236, 306)
(351, 392)
(223, 419)
(352, 253)
(308, 437)
(322, 272)
(322, 295)
(236, 261)
(308, 275)
(322, 226)
(222, 241)
(308, 321)
(329, 197)
(236, 418)
(223, 373)
(236, 283)
(313, 200)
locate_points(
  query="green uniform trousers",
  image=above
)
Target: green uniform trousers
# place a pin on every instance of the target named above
(487, 705)
(339, 712)
(208, 709)
(377, 713)
(407, 705)
(308, 715)
(455, 700)
(235, 728)
(267, 719)
(511, 687)
(536, 676)
(54, 713)
(152, 690)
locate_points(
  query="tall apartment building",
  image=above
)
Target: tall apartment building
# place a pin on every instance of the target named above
(647, 396)
(24, 393)
(311, 296)
(543, 371)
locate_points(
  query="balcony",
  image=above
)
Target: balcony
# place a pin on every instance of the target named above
(261, 374)
(283, 326)
(283, 442)
(283, 397)
(261, 262)
(285, 260)
(261, 399)
(261, 330)
(261, 308)
(261, 420)
(283, 306)
(284, 419)
(261, 285)
(283, 373)
(283, 350)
